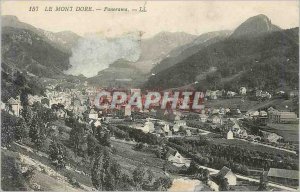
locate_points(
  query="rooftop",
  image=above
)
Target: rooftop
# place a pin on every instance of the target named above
(283, 173)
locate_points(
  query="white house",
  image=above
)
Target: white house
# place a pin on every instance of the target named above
(231, 94)
(203, 118)
(177, 159)
(229, 135)
(15, 106)
(178, 124)
(149, 126)
(225, 172)
(166, 127)
(217, 120)
(93, 114)
(243, 91)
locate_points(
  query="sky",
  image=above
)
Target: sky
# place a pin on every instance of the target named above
(194, 17)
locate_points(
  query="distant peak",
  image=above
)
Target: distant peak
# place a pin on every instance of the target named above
(254, 26)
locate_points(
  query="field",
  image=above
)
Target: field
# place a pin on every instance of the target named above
(290, 132)
(129, 159)
(232, 103)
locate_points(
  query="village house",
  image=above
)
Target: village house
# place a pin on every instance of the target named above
(166, 127)
(243, 91)
(178, 124)
(229, 135)
(215, 119)
(14, 106)
(282, 116)
(176, 158)
(149, 126)
(252, 114)
(95, 122)
(203, 118)
(231, 94)
(263, 94)
(225, 172)
(284, 176)
(93, 114)
(3, 106)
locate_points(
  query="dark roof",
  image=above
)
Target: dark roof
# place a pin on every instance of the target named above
(171, 152)
(224, 171)
(283, 173)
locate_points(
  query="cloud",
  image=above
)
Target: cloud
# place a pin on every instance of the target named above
(94, 53)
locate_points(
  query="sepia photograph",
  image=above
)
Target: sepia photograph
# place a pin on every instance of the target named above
(179, 96)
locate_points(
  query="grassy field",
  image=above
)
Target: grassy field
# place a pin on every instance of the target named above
(290, 132)
(232, 103)
(129, 159)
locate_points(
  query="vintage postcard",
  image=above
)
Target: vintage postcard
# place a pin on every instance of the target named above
(149, 95)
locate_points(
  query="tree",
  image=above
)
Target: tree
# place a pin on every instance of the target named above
(91, 144)
(106, 172)
(138, 177)
(192, 168)
(77, 137)
(97, 173)
(162, 184)
(224, 185)
(57, 155)
(263, 182)
(21, 130)
(36, 132)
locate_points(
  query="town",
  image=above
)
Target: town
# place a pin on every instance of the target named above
(246, 147)
(187, 96)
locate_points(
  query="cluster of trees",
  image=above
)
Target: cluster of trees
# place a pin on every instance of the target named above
(107, 175)
(57, 155)
(32, 124)
(199, 173)
(136, 134)
(236, 158)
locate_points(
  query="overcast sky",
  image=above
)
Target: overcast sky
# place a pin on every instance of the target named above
(193, 17)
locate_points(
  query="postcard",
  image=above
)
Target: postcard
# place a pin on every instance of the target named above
(149, 95)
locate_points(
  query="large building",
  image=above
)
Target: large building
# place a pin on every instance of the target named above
(284, 176)
(282, 117)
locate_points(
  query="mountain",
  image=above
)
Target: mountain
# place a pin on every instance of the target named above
(25, 50)
(154, 49)
(39, 52)
(255, 26)
(119, 74)
(267, 61)
(182, 52)
(63, 41)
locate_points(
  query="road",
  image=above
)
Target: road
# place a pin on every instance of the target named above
(214, 171)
